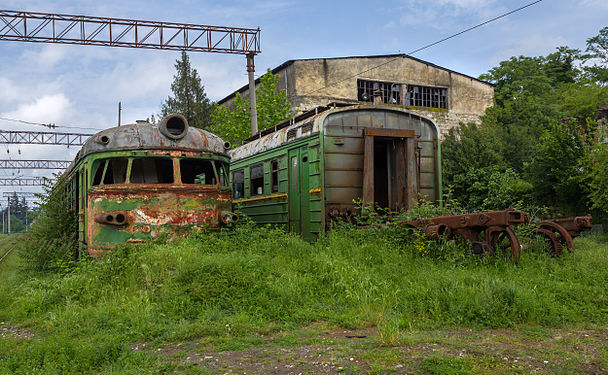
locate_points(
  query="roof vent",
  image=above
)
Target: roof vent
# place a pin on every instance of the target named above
(174, 126)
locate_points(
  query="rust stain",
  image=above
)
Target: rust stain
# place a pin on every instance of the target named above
(266, 197)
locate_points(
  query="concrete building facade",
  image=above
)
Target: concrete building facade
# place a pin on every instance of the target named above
(445, 96)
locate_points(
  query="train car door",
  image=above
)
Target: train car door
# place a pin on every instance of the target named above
(299, 195)
(390, 172)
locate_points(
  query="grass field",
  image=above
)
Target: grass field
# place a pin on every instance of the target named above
(260, 301)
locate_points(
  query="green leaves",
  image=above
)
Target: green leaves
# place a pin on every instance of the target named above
(233, 124)
(189, 98)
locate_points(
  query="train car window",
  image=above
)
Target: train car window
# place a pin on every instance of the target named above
(238, 184)
(222, 170)
(99, 172)
(116, 172)
(197, 171)
(256, 176)
(152, 171)
(274, 176)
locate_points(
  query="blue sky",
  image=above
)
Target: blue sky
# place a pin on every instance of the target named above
(81, 85)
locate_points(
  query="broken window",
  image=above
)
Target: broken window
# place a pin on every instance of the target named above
(389, 91)
(197, 171)
(151, 171)
(238, 184)
(99, 172)
(256, 177)
(111, 171)
(274, 176)
(222, 171)
(423, 96)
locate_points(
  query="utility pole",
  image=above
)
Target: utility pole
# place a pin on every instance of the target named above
(119, 110)
(252, 99)
(9, 215)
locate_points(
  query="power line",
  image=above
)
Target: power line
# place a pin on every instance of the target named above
(421, 48)
(49, 125)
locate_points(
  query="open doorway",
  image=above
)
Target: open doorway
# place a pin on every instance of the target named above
(390, 170)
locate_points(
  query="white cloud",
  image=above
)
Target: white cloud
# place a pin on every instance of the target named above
(46, 109)
(442, 14)
(530, 45)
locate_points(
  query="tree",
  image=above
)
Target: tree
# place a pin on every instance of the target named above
(556, 168)
(189, 98)
(597, 53)
(596, 165)
(234, 125)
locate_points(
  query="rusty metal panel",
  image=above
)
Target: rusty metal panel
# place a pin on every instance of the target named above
(149, 211)
(383, 132)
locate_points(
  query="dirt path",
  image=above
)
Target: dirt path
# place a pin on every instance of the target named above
(316, 350)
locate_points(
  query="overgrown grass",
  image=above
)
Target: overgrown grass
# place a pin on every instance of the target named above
(222, 286)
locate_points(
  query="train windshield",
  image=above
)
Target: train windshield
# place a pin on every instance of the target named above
(151, 171)
(111, 171)
(197, 171)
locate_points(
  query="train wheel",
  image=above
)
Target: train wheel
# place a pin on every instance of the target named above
(552, 240)
(501, 240)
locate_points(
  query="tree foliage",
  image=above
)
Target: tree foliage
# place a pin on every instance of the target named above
(596, 165)
(597, 58)
(189, 98)
(233, 124)
(536, 132)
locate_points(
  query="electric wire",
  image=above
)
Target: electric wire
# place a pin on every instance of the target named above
(420, 49)
(50, 126)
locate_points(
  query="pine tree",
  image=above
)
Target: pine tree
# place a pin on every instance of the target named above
(189, 98)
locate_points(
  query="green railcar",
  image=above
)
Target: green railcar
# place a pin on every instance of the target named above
(307, 172)
(139, 181)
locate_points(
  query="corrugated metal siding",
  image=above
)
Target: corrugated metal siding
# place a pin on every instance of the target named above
(344, 151)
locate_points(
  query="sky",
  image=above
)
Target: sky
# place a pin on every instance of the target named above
(78, 87)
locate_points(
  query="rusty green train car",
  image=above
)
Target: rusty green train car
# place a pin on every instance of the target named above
(307, 172)
(136, 182)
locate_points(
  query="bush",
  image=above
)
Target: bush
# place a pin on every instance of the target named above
(53, 239)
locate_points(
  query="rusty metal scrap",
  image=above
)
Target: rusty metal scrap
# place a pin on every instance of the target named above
(487, 232)
(560, 232)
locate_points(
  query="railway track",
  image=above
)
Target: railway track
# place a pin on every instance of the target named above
(7, 249)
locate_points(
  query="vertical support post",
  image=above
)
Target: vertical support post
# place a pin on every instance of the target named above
(119, 111)
(252, 101)
(400, 167)
(8, 215)
(368, 171)
(412, 172)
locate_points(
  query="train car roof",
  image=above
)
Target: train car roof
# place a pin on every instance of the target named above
(296, 128)
(147, 136)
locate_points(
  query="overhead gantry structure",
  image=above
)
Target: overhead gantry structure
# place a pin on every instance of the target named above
(34, 27)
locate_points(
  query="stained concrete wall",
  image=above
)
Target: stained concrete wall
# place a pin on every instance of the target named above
(315, 82)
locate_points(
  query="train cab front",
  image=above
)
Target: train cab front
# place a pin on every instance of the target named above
(141, 195)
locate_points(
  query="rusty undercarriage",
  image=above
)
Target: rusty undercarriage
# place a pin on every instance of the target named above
(491, 232)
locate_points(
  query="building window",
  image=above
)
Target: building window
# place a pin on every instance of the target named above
(238, 184)
(390, 91)
(274, 176)
(256, 179)
(423, 96)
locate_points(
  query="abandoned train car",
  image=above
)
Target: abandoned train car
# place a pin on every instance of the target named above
(304, 173)
(134, 182)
